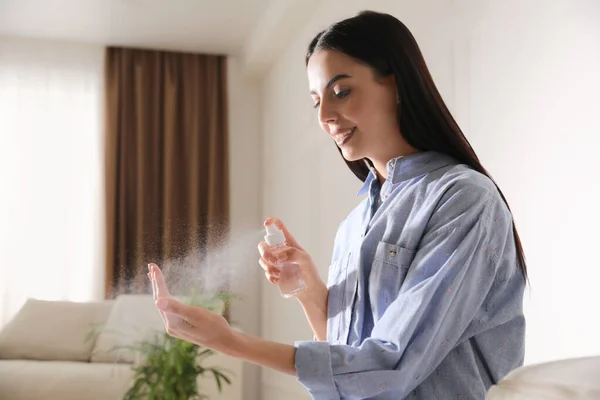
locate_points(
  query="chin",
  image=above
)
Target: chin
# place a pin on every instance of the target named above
(351, 155)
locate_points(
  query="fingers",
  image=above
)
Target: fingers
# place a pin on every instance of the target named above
(161, 286)
(266, 253)
(269, 268)
(273, 255)
(288, 236)
(271, 272)
(288, 255)
(152, 276)
(271, 278)
(153, 282)
(285, 253)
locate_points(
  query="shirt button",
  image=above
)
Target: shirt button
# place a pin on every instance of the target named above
(392, 163)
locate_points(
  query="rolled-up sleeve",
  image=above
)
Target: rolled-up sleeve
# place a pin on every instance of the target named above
(315, 369)
(445, 286)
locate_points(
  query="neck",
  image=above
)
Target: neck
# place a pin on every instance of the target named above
(380, 163)
(380, 171)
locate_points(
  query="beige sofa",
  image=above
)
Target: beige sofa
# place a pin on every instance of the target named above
(571, 379)
(44, 353)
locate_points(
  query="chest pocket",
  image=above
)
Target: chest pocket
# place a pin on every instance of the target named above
(388, 271)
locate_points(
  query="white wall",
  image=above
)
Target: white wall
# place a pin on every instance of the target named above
(531, 99)
(521, 79)
(245, 196)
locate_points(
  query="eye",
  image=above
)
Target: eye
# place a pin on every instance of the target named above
(338, 95)
(342, 94)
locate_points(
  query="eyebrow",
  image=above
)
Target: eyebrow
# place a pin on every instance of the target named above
(333, 80)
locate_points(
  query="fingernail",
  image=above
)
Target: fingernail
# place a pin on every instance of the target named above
(162, 304)
(149, 268)
(282, 257)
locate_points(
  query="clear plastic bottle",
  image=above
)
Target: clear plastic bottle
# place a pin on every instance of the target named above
(290, 278)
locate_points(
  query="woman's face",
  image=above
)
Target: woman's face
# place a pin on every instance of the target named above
(357, 109)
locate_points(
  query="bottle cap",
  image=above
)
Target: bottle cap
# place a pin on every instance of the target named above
(274, 235)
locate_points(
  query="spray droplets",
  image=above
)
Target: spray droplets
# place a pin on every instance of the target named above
(206, 273)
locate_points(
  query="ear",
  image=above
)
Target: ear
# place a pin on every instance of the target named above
(394, 86)
(389, 82)
(393, 83)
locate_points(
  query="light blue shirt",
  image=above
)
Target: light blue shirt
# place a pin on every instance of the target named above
(425, 290)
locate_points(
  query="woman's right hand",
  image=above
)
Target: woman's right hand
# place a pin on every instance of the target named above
(314, 296)
(290, 252)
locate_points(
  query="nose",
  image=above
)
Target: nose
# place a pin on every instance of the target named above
(327, 113)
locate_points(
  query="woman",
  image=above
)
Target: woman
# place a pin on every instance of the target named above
(424, 296)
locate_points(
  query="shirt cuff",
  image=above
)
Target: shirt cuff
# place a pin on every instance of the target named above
(313, 369)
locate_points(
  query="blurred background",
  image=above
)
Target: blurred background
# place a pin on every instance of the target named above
(134, 131)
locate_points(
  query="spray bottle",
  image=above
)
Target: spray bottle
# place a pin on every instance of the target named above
(290, 278)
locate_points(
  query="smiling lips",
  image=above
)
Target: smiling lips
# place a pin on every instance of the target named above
(342, 137)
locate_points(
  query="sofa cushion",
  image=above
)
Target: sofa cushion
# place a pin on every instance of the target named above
(52, 330)
(64, 380)
(133, 318)
(572, 379)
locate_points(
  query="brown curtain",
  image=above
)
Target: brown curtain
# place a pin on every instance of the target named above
(166, 160)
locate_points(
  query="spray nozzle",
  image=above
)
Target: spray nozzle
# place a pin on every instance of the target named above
(274, 235)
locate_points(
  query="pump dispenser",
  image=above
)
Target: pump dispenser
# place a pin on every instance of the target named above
(290, 278)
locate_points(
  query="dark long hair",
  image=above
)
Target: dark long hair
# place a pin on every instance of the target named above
(385, 44)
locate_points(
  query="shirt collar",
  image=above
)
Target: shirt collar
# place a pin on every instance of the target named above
(403, 168)
(367, 184)
(407, 167)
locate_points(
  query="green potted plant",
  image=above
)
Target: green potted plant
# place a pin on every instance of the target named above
(170, 369)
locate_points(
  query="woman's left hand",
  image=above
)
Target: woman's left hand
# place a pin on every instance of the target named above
(192, 324)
